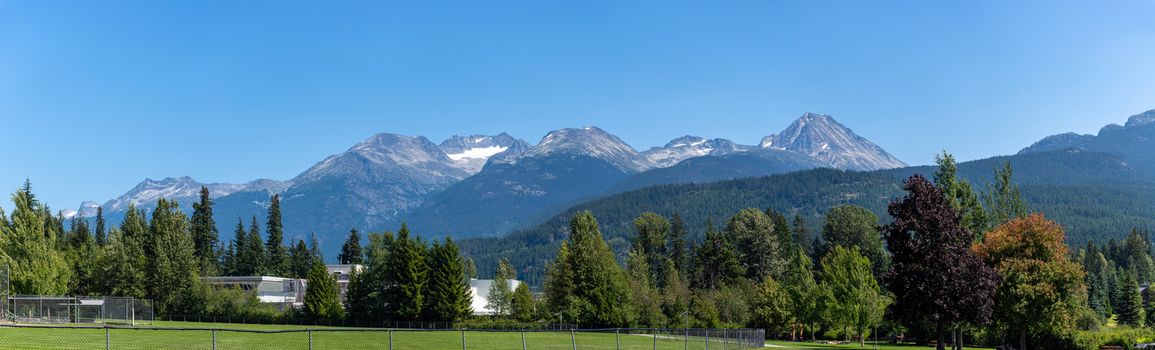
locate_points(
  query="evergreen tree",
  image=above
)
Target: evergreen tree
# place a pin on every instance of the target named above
(134, 226)
(679, 247)
(960, 193)
(758, 247)
(321, 298)
(250, 250)
(405, 277)
(204, 233)
(716, 262)
(278, 258)
(802, 235)
(470, 268)
(782, 234)
(119, 268)
(447, 294)
(653, 232)
(229, 259)
(522, 305)
(36, 267)
(1129, 311)
(599, 296)
(559, 285)
(1003, 199)
(854, 226)
(351, 250)
(79, 236)
(101, 234)
(500, 294)
(647, 302)
(315, 249)
(935, 277)
(301, 260)
(172, 280)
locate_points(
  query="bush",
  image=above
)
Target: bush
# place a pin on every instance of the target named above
(1092, 340)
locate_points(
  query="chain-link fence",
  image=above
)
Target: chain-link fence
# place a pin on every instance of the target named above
(67, 309)
(5, 314)
(115, 337)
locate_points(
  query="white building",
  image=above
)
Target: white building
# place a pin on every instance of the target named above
(269, 289)
(342, 273)
(479, 289)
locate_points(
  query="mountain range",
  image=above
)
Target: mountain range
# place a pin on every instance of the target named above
(488, 185)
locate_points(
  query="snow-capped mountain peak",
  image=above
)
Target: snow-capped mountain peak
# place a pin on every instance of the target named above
(823, 138)
(471, 152)
(686, 147)
(587, 141)
(148, 191)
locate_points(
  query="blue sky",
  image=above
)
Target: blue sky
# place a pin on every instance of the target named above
(97, 95)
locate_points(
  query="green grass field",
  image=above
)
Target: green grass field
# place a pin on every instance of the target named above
(231, 336)
(783, 345)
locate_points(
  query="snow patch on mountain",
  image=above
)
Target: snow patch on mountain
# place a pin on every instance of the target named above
(587, 141)
(686, 147)
(470, 153)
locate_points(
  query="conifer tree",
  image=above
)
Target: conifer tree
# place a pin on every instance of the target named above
(278, 258)
(1130, 309)
(351, 250)
(1003, 199)
(321, 298)
(120, 267)
(101, 234)
(653, 232)
(802, 235)
(405, 277)
(172, 268)
(716, 262)
(599, 296)
(960, 193)
(447, 295)
(470, 268)
(758, 247)
(500, 294)
(250, 253)
(300, 260)
(315, 248)
(204, 233)
(522, 305)
(36, 267)
(679, 247)
(134, 226)
(79, 236)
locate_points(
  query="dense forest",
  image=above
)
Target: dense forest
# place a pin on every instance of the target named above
(805, 256)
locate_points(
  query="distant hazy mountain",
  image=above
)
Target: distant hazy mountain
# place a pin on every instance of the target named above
(823, 138)
(1133, 142)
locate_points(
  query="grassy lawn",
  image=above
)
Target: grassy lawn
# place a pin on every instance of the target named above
(812, 346)
(232, 336)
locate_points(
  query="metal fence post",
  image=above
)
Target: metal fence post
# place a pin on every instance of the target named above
(655, 337)
(724, 339)
(618, 338)
(572, 339)
(390, 339)
(214, 339)
(463, 347)
(707, 339)
(310, 332)
(108, 339)
(523, 340)
(686, 340)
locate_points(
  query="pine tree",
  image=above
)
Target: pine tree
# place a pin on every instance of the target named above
(1130, 309)
(278, 258)
(522, 305)
(716, 262)
(315, 248)
(961, 194)
(679, 248)
(651, 241)
(500, 294)
(300, 260)
(321, 298)
(351, 250)
(36, 266)
(204, 233)
(802, 235)
(79, 236)
(447, 295)
(600, 293)
(172, 268)
(101, 234)
(134, 226)
(406, 277)
(250, 250)
(470, 269)
(1003, 199)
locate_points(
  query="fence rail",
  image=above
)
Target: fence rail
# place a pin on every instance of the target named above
(118, 337)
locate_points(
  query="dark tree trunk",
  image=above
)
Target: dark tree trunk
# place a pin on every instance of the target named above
(941, 338)
(1023, 339)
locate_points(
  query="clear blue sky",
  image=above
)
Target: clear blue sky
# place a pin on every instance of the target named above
(97, 95)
